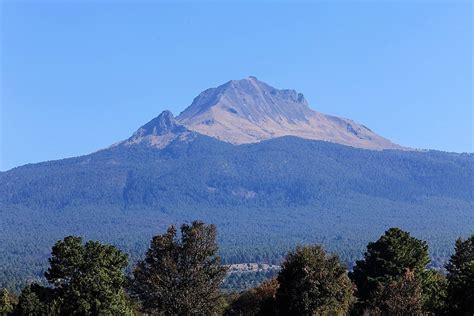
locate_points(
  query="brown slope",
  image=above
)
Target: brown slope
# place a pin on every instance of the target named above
(248, 111)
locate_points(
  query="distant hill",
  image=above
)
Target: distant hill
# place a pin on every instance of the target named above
(264, 196)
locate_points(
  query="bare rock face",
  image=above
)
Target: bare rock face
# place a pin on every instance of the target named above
(159, 132)
(248, 111)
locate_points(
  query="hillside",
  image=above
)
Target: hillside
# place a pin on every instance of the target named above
(265, 197)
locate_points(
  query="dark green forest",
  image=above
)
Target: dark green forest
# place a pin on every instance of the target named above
(181, 273)
(266, 198)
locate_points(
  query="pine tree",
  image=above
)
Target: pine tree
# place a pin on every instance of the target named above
(434, 290)
(37, 300)
(7, 302)
(88, 279)
(387, 260)
(460, 277)
(181, 277)
(313, 283)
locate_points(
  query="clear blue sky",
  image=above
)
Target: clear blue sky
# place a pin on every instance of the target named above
(77, 76)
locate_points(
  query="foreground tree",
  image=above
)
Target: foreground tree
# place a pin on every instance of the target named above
(385, 261)
(7, 302)
(460, 277)
(181, 277)
(434, 286)
(313, 283)
(37, 300)
(400, 297)
(85, 280)
(259, 300)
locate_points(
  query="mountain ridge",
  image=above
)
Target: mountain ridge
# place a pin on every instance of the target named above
(249, 111)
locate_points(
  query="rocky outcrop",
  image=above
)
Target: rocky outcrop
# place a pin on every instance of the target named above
(159, 132)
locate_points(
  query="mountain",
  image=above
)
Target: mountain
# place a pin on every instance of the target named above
(264, 196)
(159, 132)
(248, 111)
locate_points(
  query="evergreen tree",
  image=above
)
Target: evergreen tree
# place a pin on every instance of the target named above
(29, 303)
(461, 278)
(434, 286)
(7, 302)
(37, 300)
(181, 277)
(387, 260)
(313, 283)
(88, 279)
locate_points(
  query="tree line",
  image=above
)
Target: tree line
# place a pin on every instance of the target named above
(181, 274)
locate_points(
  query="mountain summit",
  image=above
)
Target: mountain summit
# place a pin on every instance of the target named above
(249, 111)
(251, 100)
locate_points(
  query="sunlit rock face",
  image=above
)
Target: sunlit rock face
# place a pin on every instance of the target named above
(248, 111)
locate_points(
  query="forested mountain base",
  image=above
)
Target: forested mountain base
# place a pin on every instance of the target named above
(265, 198)
(244, 236)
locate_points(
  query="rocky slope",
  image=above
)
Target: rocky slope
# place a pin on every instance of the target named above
(249, 111)
(159, 132)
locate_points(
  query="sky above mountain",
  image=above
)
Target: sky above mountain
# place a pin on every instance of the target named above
(78, 76)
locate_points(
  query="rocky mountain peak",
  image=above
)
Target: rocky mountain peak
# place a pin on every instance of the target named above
(248, 111)
(161, 125)
(159, 132)
(249, 99)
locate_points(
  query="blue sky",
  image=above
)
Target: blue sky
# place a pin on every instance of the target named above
(78, 76)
